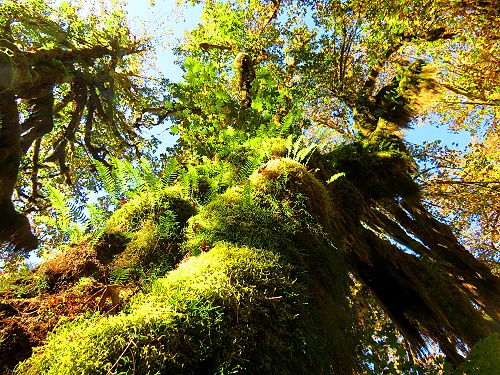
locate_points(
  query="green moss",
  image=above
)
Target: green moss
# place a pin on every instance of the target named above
(280, 203)
(277, 146)
(146, 231)
(233, 309)
(145, 206)
(289, 183)
(268, 294)
(379, 167)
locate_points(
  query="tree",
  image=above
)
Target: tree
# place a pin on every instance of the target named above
(280, 268)
(66, 82)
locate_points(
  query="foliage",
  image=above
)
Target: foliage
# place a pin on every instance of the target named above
(67, 223)
(23, 283)
(230, 236)
(70, 73)
(483, 358)
(451, 177)
(384, 350)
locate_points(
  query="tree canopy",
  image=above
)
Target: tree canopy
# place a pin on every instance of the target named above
(292, 228)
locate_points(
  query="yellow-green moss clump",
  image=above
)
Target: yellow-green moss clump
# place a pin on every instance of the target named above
(233, 309)
(266, 295)
(146, 230)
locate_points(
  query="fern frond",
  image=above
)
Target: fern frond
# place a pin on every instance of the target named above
(120, 179)
(170, 172)
(106, 178)
(94, 237)
(289, 144)
(297, 151)
(77, 212)
(129, 175)
(304, 153)
(147, 175)
(95, 224)
(58, 200)
(168, 225)
(247, 195)
(297, 144)
(249, 167)
(189, 180)
(119, 276)
(286, 124)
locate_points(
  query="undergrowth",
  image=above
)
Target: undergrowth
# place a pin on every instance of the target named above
(261, 289)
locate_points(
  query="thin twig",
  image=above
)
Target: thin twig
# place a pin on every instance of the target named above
(235, 296)
(121, 355)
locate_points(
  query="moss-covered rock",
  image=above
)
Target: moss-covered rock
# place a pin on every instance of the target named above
(146, 231)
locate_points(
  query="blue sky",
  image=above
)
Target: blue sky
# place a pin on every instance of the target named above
(168, 19)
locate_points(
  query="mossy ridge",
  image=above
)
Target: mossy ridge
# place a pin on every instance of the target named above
(231, 309)
(146, 230)
(283, 310)
(140, 241)
(278, 205)
(285, 209)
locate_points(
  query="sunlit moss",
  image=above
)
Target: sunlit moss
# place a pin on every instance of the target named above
(266, 294)
(146, 230)
(230, 309)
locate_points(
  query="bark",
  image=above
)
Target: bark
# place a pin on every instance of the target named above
(425, 280)
(15, 231)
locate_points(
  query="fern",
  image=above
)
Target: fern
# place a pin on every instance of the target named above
(149, 179)
(286, 123)
(95, 223)
(77, 213)
(189, 180)
(289, 144)
(249, 167)
(65, 216)
(129, 175)
(296, 150)
(247, 201)
(119, 276)
(72, 222)
(108, 181)
(125, 179)
(58, 200)
(170, 172)
(168, 226)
